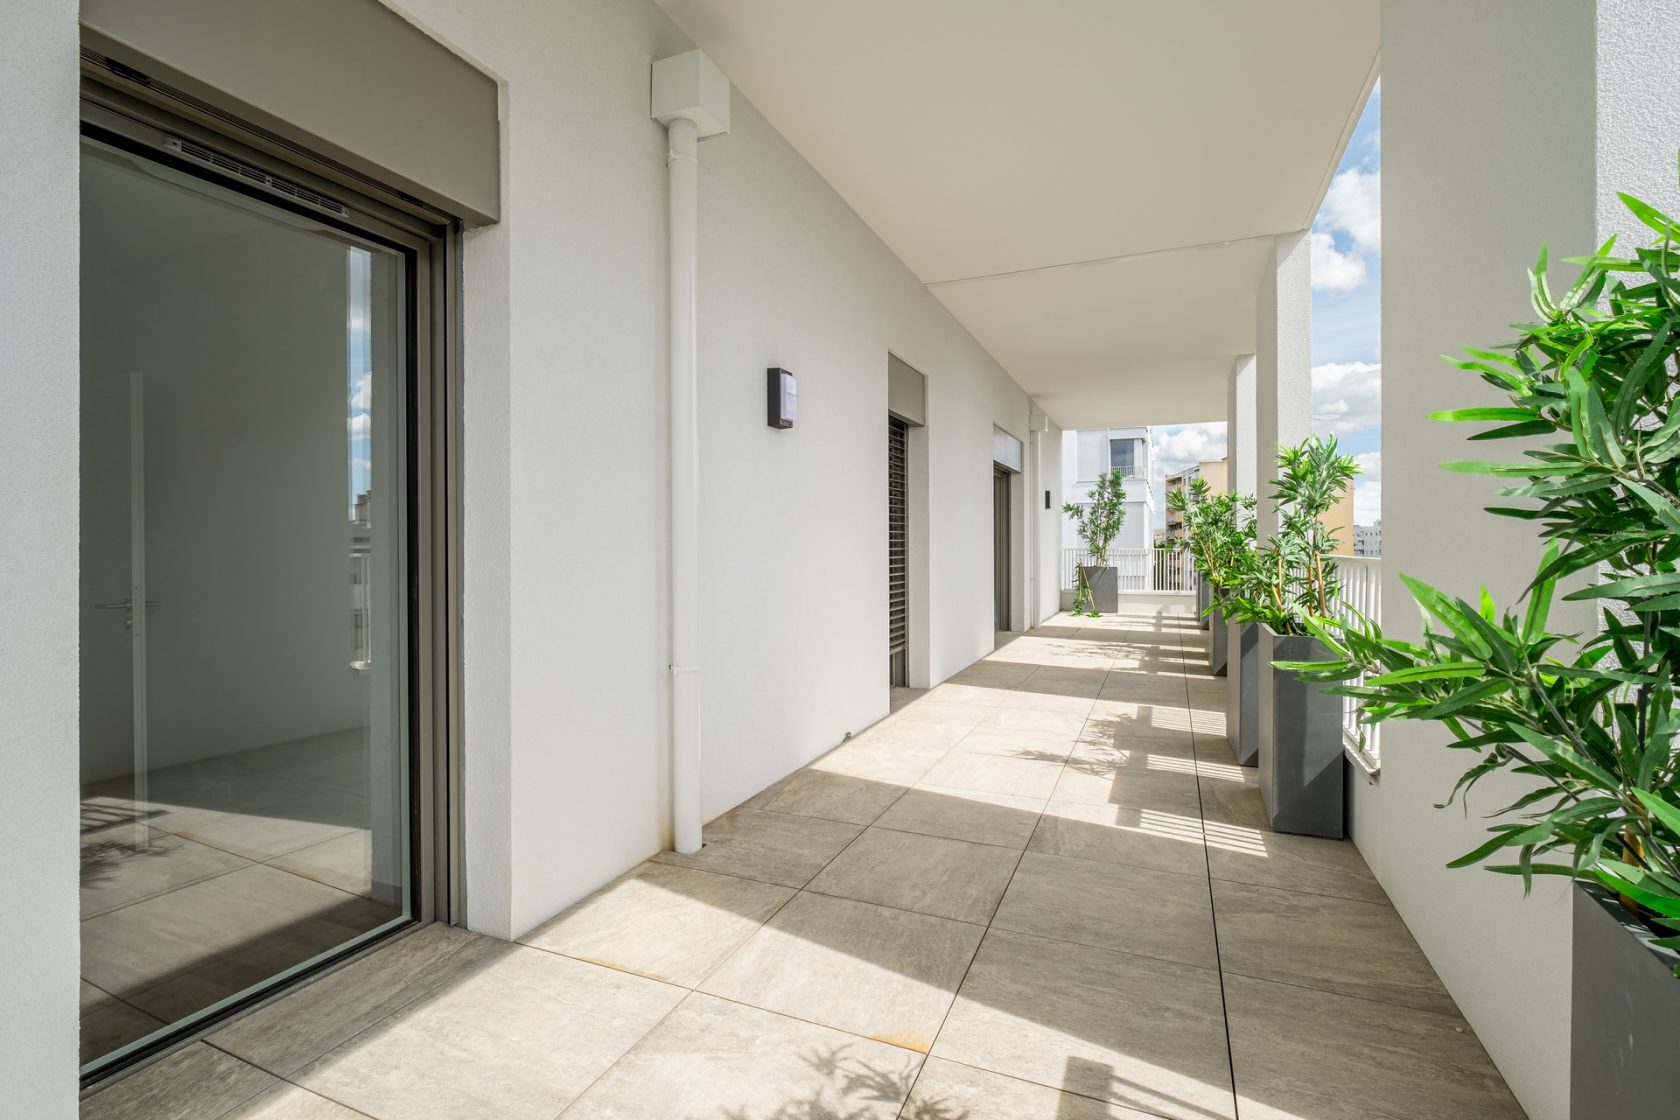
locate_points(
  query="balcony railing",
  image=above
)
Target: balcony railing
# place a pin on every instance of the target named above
(1138, 569)
(1362, 593)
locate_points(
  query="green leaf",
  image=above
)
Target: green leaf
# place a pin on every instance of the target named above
(1474, 414)
(1664, 811)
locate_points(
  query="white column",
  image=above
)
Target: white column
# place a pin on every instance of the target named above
(1282, 365)
(1481, 165)
(1239, 426)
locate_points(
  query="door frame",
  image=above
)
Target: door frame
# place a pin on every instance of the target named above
(122, 107)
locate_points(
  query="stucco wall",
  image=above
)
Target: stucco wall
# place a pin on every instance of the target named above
(1488, 151)
(566, 426)
(38, 385)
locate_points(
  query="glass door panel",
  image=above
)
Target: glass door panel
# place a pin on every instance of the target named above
(244, 584)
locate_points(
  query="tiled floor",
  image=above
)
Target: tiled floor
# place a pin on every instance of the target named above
(247, 865)
(1039, 891)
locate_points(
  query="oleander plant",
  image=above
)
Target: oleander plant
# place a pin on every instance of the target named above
(1218, 535)
(1587, 718)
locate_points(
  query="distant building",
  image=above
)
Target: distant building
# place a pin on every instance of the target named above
(1090, 453)
(1212, 471)
(1367, 539)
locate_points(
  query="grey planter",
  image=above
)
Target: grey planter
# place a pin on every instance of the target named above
(1218, 641)
(1204, 597)
(1104, 583)
(1242, 692)
(1301, 759)
(1625, 1014)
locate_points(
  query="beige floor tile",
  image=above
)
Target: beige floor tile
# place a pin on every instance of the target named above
(1319, 941)
(119, 867)
(1050, 746)
(1064, 725)
(780, 848)
(984, 818)
(994, 673)
(1052, 681)
(1161, 790)
(1144, 686)
(885, 974)
(1232, 804)
(1309, 1055)
(1143, 1033)
(263, 836)
(108, 1024)
(948, 1091)
(835, 797)
(288, 1034)
(196, 1082)
(1299, 863)
(345, 862)
(1119, 834)
(518, 1039)
(712, 1058)
(958, 714)
(990, 773)
(927, 874)
(1111, 906)
(953, 693)
(671, 923)
(233, 929)
(288, 1102)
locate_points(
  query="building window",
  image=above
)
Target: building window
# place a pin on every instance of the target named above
(1125, 456)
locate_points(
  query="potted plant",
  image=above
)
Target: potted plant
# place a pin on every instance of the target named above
(1218, 538)
(1588, 719)
(1293, 581)
(1099, 521)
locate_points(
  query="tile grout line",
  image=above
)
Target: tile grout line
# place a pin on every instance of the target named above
(1213, 905)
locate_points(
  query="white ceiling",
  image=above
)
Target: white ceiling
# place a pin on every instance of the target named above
(1008, 151)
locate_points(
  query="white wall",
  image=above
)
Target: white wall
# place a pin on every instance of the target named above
(1488, 151)
(38, 385)
(1048, 476)
(566, 631)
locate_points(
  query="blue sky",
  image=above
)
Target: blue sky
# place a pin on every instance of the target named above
(1347, 326)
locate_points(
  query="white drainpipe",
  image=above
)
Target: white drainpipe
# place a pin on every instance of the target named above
(691, 98)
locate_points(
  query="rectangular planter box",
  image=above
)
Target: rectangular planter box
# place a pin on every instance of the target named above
(1105, 588)
(1242, 691)
(1204, 597)
(1218, 642)
(1301, 759)
(1625, 1014)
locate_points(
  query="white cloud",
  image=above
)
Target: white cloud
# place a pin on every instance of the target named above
(361, 397)
(1346, 397)
(1367, 488)
(1351, 216)
(1179, 446)
(360, 425)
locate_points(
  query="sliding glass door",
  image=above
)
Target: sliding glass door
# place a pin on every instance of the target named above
(247, 412)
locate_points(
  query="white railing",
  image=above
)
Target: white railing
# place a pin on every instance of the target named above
(1139, 569)
(1361, 592)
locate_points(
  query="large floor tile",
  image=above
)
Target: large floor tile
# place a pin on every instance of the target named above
(196, 1082)
(1032, 721)
(291, 1032)
(171, 953)
(712, 1058)
(1300, 863)
(835, 797)
(284, 828)
(519, 1038)
(984, 818)
(781, 848)
(120, 866)
(991, 773)
(1098, 784)
(1302, 1054)
(1044, 747)
(885, 974)
(1234, 804)
(1319, 941)
(289, 1102)
(109, 1024)
(1109, 906)
(345, 862)
(928, 874)
(671, 923)
(948, 1091)
(1147, 1034)
(1120, 834)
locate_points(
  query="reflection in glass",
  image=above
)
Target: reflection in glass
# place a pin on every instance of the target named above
(243, 581)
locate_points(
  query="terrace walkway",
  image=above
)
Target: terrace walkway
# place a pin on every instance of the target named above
(1039, 891)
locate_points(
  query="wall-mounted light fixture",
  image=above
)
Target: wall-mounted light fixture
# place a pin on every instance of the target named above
(783, 398)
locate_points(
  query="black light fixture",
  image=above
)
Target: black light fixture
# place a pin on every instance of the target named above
(783, 397)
